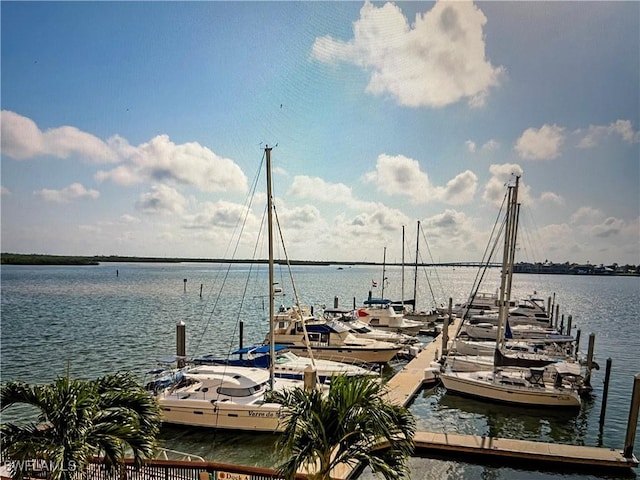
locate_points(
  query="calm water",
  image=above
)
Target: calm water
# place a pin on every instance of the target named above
(96, 320)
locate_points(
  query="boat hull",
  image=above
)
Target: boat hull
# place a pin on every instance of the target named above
(346, 354)
(258, 418)
(480, 385)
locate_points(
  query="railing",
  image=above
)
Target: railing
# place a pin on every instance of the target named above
(161, 470)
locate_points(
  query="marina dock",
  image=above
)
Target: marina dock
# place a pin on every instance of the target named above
(403, 386)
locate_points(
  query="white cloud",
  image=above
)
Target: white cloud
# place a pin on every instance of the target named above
(158, 160)
(315, 188)
(551, 197)
(491, 146)
(4, 190)
(162, 199)
(597, 133)
(75, 191)
(471, 146)
(540, 144)
(220, 214)
(586, 215)
(402, 176)
(460, 190)
(161, 160)
(503, 175)
(437, 61)
(22, 139)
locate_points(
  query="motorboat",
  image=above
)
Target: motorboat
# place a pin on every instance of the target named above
(223, 397)
(379, 313)
(302, 333)
(287, 364)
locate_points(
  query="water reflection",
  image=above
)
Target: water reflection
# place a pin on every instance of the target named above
(437, 410)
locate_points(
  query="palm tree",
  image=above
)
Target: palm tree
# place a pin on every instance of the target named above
(77, 420)
(347, 426)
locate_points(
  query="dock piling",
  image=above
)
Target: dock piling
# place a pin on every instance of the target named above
(632, 423)
(592, 341)
(445, 328)
(605, 393)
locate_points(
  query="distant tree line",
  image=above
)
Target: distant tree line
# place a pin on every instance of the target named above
(576, 268)
(545, 267)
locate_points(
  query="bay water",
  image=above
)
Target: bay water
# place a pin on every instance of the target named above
(87, 321)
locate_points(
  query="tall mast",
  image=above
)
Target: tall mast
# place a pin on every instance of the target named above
(271, 289)
(507, 262)
(402, 288)
(384, 266)
(415, 273)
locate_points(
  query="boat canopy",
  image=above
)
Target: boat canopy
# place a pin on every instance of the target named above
(255, 349)
(377, 301)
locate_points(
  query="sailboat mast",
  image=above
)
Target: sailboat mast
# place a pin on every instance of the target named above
(415, 273)
(402, 288)
(384, 267)
(271, 288)
(506, 266)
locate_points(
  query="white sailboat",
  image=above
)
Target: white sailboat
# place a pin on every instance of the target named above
(226, 396)
(512, 385)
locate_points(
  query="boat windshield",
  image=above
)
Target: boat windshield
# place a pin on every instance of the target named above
(240, 392)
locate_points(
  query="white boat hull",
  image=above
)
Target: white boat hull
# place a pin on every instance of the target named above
(489, 387)
(201, 413)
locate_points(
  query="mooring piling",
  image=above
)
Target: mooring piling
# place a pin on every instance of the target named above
(605, 393)
(632, 423)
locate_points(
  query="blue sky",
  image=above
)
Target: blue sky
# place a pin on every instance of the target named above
(138, 128)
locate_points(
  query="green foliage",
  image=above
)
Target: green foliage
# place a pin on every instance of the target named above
(348, 426)
(77, 420)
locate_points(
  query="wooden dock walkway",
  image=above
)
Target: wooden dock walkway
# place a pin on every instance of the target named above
(403, 387)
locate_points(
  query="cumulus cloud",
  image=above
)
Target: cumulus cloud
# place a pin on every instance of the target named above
(315, 188)
(438, 60)
(501, 176)
(587, 215)
(22, 139)
(4, 190)
(162, 199)
(161, 160)
(402, 176)
(218, 214)
(551, 197)
(491, 146)
(596, 133)
(540, 144)
(75, 191)
(470, 145)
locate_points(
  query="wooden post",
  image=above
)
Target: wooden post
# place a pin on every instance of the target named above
(335, 302)
(185, 285)
(592, 340)
(557, 315)
(201, 290)
(605, 393)
(445, 328)
(181, 341)
(633, 418)
(549, 311)
(562, 325)
(569, 321)
(577, 343)
(354, 303)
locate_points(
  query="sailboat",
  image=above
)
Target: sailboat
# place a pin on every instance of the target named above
(520, 386)
(227, 396)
